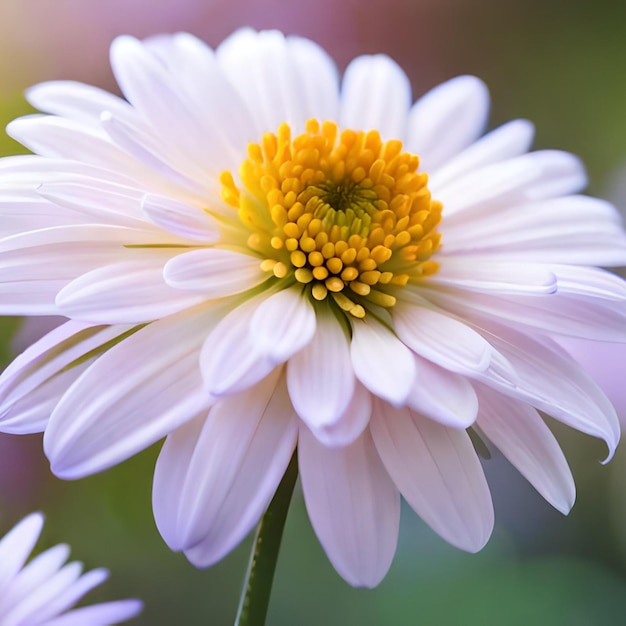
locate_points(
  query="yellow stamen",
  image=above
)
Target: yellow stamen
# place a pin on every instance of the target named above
(344, 212)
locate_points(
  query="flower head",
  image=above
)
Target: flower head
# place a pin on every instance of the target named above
(41, 592)
(253, 258)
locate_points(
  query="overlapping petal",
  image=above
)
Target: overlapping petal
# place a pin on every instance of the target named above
(41, 592)
(143, 220)
(216, 475)
(353, 505)
(437, 472)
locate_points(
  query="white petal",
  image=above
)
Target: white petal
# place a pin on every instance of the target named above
(154, 90)
(217, 273)
(125, 292)
(169, 167)
(20, 209)
(39, 591)
(442, 395)
(33, 170)
(35, 265)
(505, 278)
(375, 95)
(441, 339)
(16, 546)
(215, 478)
(589, 282)
(109, 237)
(192, 71)
(561, 314)
(523, 437)
(229, 360)
(562, 173)
(351, 424)
(507, 141)
(99, 614)
(381, 361)
(280, 79)
(75, 100)
(447, 119)
(437, 472)
(546, 377)
(353, 505)
(70, 596)
(34, 382)
(282, 325)
(571, 229)
(57, 137)
(31, 413)
(32, 576)
(533, 176)
(180, 219)
(98, 201)
(320, 377)
(137, 392)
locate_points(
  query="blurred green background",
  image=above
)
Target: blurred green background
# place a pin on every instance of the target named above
(560, 64)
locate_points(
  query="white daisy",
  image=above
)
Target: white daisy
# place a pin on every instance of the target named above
(252, 258)
(40, 593)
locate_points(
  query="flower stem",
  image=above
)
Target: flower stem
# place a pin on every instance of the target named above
(255, 596)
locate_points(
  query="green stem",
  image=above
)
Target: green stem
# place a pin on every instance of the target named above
(255, 596)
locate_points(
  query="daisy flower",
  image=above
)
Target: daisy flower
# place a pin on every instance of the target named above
(40, 593)
(255, 254)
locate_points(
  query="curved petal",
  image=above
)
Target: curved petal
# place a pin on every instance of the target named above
(443, 396)
(475, 273)
(99, 614)
(34, 382)
(282, 325)
(75, 101)
(31, 413)
(561, 314)
(280, 79)
(52, 136)
(35, 265)
(216, 476)
(375, 95)
(35, 574)
(381, 361)
(216, 273)
(97, 201)
(534, 176)
(545, 376)
(16, 546)
(447, 119)
(523, 437)
(320, 377)
(38, 590)
(351, 424)
(437, 472)
(441, 339)
(67, 597)
(573, 229)
(137, 392)
(146, 76)
(179, 218)
(229, 360)
(507, 141)
(353, 505)
(124, 293)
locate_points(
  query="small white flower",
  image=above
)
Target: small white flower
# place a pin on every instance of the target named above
(41, 592)
(252, 258)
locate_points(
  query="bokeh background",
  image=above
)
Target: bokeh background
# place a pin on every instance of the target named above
(558, 63)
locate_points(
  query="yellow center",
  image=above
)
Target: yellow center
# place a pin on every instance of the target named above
(347, 215)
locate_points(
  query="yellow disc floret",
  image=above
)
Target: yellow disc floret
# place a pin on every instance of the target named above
(346, 214)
